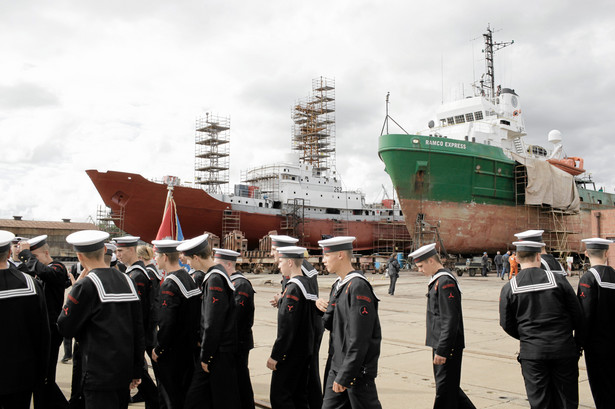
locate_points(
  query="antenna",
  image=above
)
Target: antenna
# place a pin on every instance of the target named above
(490, 49)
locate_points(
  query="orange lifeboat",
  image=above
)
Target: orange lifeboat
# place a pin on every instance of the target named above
(571, 164)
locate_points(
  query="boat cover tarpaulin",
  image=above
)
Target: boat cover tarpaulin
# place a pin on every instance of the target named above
(549, 185)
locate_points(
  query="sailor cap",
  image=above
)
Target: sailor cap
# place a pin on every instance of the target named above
(529, 246)
(6, 237)
(225, 254)
(596, 243)
(37, 242)
(282, 241)
(86, 241)
(111, 247)
(194, 245)
(166, 246)
(423, 253)
(336, 244)
(530, 235)
(127, 241)
(17, 239)
(292, 252)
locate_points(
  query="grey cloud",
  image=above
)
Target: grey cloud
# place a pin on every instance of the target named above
(26, 95)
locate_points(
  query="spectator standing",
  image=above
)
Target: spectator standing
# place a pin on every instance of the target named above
(393, 267)
(506, 265)
(498, 264)
(484, 263)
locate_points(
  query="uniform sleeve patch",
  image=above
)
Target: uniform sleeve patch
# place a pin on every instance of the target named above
(292, 297)
(363, 311)
(584, 285)
(364, 298)
(448, 286)
(141, 284)
(168, 293)
(219, 289)
(244, 294)
(73, 299)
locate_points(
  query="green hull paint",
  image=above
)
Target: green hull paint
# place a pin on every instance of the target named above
(440, 169)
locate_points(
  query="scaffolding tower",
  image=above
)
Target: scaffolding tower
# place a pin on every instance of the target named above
(314, 125)
(211, 153)
(110, 221)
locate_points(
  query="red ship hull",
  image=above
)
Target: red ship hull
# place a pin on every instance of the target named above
(143, 205)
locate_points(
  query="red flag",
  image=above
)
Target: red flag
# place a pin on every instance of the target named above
(167, 227)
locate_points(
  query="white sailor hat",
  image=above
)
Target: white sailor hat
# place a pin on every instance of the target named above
(292, 252)
(423, 253)
(86, 241)
(530, 235)
(225, 254)
(336, 244)
(127, 241)
(6, 237)
(111, 247)
(282, 241)
(597, 243)
(194, 245)
(37, 242)
(529, 246)
(17, 239)
(166, 246)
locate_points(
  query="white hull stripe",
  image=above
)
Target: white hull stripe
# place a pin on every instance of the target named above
(545, 266)
(110, 297)
(444, 273)
(308, 273)
(182, 287)
(223, 274)
(603, 284)
(516, 289)
(155, 272)
(308, 296)
(20, 292)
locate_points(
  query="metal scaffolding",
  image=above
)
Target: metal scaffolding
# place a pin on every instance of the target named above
(314, 125)
(211, 153)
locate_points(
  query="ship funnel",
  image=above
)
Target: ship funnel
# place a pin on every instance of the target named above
(555, 136)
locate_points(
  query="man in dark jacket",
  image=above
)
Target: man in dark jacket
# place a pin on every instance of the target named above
(103, 313)
(393, 271)
(355, 332)
(444, 328)
(25, 326)
(540, 309)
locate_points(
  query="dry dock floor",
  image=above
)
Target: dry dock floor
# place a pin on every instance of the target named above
(491, 376)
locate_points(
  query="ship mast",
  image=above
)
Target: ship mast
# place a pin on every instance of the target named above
(487, 84)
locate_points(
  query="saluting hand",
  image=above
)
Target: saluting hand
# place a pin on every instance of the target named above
(337, 388)
(322, 305)
(439, 360)
(83, 274)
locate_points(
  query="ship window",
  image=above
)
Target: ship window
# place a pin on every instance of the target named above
(599, 201)
(504, 122)
(465, 137)
(459, 119)
(539, 150)
(470, 117)
(580, 198)
(450, 121)
(478, 115)
(474, 139)
(260, 205)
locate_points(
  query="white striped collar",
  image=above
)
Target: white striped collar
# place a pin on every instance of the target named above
(187, 293)
(308, 273)
(516, 289)
(349, 277)
(444, 273)
(308, 296)
(155, 271)
(603, 284)
(237, 275)
(223, 274)
(110, 297)
(545, 266)
(136, 267)
(20, 292)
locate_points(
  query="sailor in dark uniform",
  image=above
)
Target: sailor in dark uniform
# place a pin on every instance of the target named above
(244, 305)
(308, 271)
(178, 326)
(126, 252)
(596, 293)
(214, 383)
(25, 326)
(444, 328)
(292, 351)
(355, 332)
(103, 313)
(54, 276)
(547, 262)
(540, 309)
(14, 255)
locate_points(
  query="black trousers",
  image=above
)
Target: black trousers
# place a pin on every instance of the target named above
(314, 386)
(111, 399)
(600, 373)
(551, 383)
(174, 376)
(362, 395)
(244, 383)
(76, 400)
(19, 400)
(448, 377)
(393, 279)
(289, 384)
(147, 389)
(49, 396)
(216, 389)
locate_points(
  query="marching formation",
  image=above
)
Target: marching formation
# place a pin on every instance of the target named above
(194, 322)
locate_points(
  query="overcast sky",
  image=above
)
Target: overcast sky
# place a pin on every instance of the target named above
(117, 85)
